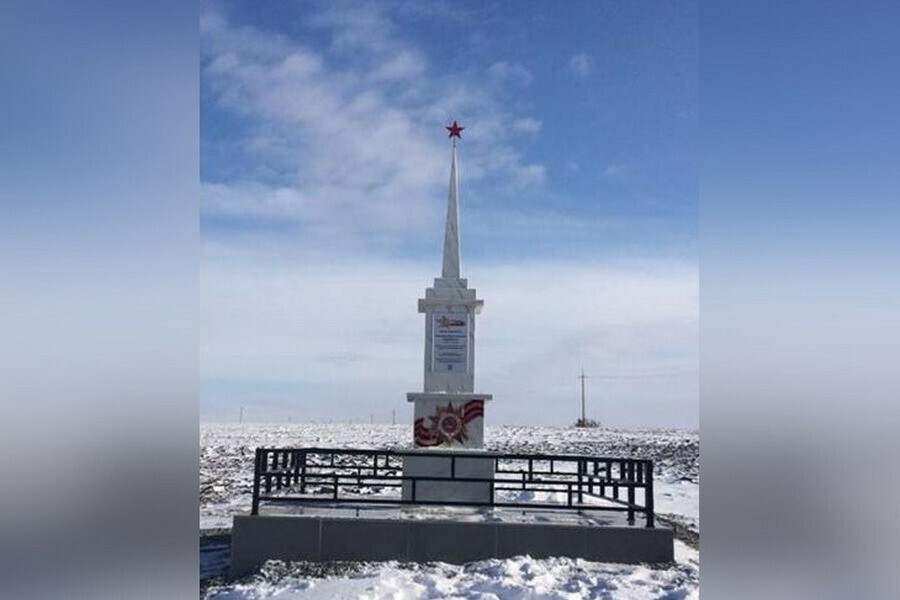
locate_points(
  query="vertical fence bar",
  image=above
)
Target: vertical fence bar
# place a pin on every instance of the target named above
(292, 468)
(283, 458)
(265, 464)
(630, 470)
(648, 494)
(254, 510)
(581, 468)
(276, 459)
(303, 472)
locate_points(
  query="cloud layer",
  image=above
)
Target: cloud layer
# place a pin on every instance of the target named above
(338, 339)
(346, 137)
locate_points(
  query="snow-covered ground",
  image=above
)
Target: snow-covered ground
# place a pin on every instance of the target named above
(226, 468)
(520, 577)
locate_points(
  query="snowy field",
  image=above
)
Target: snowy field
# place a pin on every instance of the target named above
(226, 468)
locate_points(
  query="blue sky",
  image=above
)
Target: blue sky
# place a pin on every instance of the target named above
(324, 166)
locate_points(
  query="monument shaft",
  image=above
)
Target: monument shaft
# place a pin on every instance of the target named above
(448, 413)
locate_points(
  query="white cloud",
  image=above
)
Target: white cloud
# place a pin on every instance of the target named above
(406, 64)
(615, 171)
(531, 175)
(253, 199)
(350, 137)
(527, 125)
(581, 65)
(356, 27)
(506, 72)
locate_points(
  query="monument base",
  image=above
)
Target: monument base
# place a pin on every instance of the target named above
(449, 421)
(320, 539)
(446, 492)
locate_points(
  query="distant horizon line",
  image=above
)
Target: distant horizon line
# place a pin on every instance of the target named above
(382, 424)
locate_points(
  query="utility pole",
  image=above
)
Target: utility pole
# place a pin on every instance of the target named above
(582, 377)
(241, 418)
(393, 416)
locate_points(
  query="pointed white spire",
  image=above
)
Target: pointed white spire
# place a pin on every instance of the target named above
(450, 269)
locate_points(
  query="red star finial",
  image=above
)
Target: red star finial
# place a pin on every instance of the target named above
(455, 130)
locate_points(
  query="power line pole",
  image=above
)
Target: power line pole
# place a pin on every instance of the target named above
(393, 416)
(241, 418)
(582, 377)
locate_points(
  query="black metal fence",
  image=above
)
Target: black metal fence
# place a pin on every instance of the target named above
(306, 476)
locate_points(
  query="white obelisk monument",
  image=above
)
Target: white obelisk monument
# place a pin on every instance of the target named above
(449, 415)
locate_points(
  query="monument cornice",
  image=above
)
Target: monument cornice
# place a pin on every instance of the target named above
(448, 396)
(427, 303)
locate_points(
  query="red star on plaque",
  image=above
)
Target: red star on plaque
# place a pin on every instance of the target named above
(455, 130)
(448, 423)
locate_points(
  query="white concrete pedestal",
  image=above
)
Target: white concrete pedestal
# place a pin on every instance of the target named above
(470, 466)
(453, 422)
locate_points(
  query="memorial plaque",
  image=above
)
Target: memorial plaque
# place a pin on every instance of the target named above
(450, 335)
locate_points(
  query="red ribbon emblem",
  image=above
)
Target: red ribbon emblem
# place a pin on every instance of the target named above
(448, 424)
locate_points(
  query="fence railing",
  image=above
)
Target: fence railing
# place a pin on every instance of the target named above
(307, 476)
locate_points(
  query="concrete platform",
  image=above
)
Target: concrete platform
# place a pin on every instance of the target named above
(256, 539)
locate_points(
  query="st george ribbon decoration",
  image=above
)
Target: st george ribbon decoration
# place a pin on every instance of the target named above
(448, 424)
